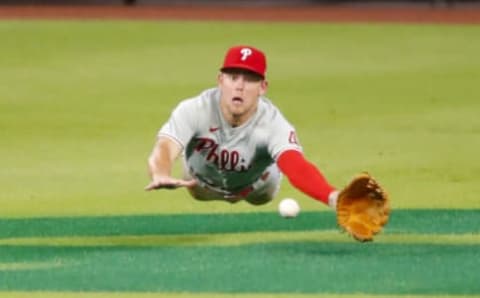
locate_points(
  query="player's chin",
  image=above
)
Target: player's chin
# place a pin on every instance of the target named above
(237, 111)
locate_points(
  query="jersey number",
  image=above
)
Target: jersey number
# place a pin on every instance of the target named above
(292, 138)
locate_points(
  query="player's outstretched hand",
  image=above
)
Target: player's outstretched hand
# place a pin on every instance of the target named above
(169, 183)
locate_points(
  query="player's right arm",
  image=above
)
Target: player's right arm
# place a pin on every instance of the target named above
(160, 164)
(302, 174)
(306, 177)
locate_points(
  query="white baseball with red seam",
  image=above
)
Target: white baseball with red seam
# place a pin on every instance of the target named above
(288, 208)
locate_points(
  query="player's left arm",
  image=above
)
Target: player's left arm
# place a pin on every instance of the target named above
(306, 177)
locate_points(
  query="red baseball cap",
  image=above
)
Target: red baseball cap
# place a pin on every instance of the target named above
(245, 57)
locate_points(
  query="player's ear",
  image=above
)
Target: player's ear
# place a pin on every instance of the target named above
(219, 78)
(263, 87)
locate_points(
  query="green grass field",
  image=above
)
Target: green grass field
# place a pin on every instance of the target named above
(80, 105)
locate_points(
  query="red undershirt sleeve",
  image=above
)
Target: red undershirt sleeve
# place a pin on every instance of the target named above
(304, 175)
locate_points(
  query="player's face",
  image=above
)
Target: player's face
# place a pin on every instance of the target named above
(240, 92)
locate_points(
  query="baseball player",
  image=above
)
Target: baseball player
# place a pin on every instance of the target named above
(234, 143)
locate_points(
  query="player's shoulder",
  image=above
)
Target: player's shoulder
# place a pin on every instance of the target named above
(267, 104)
(269, 110)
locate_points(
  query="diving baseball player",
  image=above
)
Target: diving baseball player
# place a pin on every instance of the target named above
(235, 144)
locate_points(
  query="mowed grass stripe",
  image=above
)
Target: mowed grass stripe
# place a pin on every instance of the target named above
(207, 295)
(236, 239)
(284, 267)
(401, 222)
(28, 265)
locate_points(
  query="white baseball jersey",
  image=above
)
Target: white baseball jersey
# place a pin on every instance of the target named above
(225, 157)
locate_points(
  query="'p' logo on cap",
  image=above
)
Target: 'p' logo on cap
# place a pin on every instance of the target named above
(245, 53)
(246, 57)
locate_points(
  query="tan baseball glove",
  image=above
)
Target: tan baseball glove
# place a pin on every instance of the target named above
(363, 207)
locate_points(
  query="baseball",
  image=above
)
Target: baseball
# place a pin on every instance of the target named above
(288, 208)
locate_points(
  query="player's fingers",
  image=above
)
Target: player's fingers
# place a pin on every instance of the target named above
(156, 185)
(150, 186)
(170, 184)
(187, 183)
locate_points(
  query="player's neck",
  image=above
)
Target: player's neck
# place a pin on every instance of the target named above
(236, 120)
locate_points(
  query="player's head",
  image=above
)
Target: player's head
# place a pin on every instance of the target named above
(245, 58)
(242, 81)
